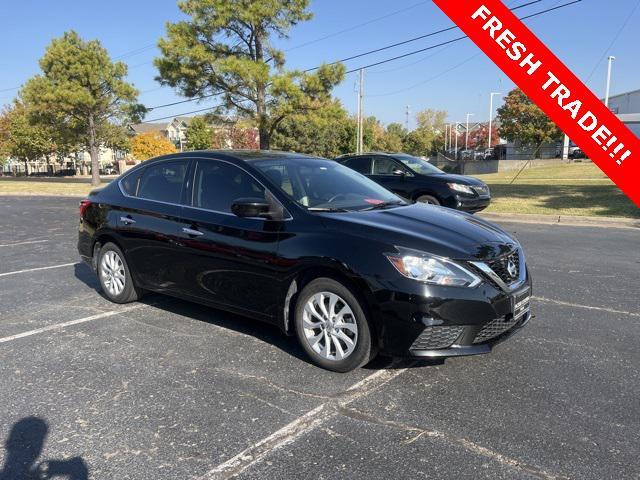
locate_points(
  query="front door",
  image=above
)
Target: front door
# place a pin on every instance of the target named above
(228, 260)
(392, 175)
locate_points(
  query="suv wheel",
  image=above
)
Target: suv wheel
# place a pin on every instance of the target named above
(428, 199)
(114, 275)
(332, 327)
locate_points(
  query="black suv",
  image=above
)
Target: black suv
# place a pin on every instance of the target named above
(312, 247)
(416, 179)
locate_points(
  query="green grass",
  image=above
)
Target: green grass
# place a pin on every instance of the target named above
(571, 189)
(17, 187)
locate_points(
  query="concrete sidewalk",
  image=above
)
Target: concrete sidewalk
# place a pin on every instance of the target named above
(567, 220)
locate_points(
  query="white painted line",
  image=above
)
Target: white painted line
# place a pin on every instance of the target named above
(37, 269)
(30, 242)
(307, 422)
(588, 307)
(59, 326)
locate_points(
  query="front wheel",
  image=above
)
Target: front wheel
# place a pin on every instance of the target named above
(428, 199)
(114, 275)
(332, 327)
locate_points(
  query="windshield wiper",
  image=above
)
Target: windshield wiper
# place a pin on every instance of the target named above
(327, 209)
(380, 206)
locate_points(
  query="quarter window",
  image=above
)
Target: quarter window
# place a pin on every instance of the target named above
(219, 184)
(163, 182)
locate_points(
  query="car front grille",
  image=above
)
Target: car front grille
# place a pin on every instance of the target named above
(501, 267)
(436, 337)
(496, 328)
(482, 191)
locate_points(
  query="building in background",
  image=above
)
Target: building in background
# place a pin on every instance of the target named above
(627, 107)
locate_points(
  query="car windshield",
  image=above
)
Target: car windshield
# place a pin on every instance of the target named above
(418, 165)
(325, 185)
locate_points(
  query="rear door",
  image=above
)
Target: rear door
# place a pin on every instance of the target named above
(228, 260)
(149, 224)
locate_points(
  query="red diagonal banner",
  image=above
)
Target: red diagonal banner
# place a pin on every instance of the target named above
(552, 86)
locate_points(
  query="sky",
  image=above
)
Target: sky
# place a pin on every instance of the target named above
(456, 78)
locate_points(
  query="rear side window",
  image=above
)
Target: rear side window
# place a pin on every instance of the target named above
(219, 184)
(129, 184)
(163, 182)
(359, 164)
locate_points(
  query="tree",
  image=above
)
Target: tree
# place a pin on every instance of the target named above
(151, 144)
(427, 137)
(224, 50)
(327, 131)
(23, 139)
(522, 121)
(394, 137)
(199, 134)
(82, 92)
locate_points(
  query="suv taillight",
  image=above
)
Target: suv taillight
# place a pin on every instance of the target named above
(84, 204)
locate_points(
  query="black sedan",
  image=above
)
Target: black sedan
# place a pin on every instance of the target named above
(311, 246)
(416, 179)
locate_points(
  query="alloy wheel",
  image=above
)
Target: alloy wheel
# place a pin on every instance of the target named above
(330, 326)
(112, 273)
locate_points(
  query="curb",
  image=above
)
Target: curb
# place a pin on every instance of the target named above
(566, 220)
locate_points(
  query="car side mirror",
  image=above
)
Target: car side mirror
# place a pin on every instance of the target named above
(251, 208)
(400, 173)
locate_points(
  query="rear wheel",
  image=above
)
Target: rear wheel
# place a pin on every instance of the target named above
(114, 275)
(332, 327)
(428, 199)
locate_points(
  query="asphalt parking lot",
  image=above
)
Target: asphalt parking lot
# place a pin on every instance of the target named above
(165, 389)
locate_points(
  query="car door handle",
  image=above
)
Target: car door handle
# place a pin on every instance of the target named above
(192, 232)
(127, 220)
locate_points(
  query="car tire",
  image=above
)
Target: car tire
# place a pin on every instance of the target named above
(342, 323)
(114, 275)
(428, 199)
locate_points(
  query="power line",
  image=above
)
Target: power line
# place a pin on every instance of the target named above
(369, 22)
(615, 39)
(182, 114)
(410, 40)
(457, 39)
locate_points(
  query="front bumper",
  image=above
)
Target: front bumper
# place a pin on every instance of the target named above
(472, 205)
(418, 320)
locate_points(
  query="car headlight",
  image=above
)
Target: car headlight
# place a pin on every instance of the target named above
(458, 187)
(428, 268)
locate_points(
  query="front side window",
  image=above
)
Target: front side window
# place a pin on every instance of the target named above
(319, 184)
(163, 181)
(419, 165)
(384, 166)
(219, 184)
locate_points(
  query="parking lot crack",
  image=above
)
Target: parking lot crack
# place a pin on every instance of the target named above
(463, 442)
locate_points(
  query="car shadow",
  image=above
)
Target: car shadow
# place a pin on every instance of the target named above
(265, 332)
(23, 449)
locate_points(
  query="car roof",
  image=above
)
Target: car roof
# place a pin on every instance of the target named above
(388, 154)
(238, 155)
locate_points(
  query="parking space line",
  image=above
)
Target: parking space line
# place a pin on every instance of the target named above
(307, 422)
(37, 269)
(59, 326)
(588, 307)
(30, 242)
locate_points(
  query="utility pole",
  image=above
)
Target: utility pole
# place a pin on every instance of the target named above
(361, 113)
(466, 139)
(406, 119)
(446, 135)
(491, 115)
(606, 95)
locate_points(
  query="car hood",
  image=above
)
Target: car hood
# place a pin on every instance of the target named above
(436, 230)
(452, 178)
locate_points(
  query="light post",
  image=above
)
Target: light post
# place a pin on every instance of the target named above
(466, 138)
(491, 115)
(446, 133)
(606, 96)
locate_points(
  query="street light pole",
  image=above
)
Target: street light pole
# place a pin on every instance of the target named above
(606, 96)
(456, 149)
(446, 134)
(491, 115)
(466, 139)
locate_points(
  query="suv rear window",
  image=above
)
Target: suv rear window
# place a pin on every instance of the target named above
(359, 164)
